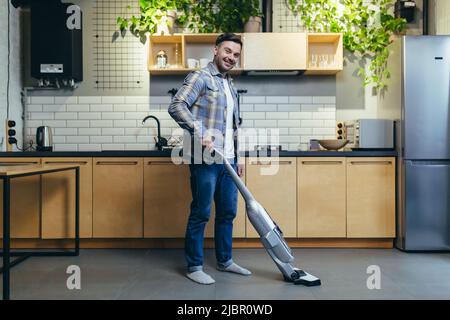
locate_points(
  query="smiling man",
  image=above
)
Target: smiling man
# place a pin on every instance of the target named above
(206, 105)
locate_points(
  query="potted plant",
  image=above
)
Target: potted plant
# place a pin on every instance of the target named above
(156, 17)
(251, 16)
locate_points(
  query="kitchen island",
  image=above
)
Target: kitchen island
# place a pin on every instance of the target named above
(141, 199)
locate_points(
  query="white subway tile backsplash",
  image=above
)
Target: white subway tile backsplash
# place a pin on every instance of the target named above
(277, 99)
(265, 107)
(113, 115)
(101, 139)
(102, 123)
(66, 116)
(34, 108)
(113, 131)
(89, 115)
(124, 107)
(77, 139)
(97, 123)
(124, 139)
(66, 100)
(123, 123)
(89, 100)
(77, 123)
(289, 108)
(66, 131)
(300, 99)
(118, 99)
(42, 100)
(101, 107)
(77, 108)
(321, 100)
(89, 131)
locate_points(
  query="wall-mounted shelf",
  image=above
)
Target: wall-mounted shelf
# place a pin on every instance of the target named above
(181, 47)
(324, 53)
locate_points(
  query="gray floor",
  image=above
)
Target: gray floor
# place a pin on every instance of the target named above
(159, 274)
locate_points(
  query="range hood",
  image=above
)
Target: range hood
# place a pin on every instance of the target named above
(273, 53)
(274, 72)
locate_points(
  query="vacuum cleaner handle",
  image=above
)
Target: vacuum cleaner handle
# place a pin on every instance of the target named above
(239, 184)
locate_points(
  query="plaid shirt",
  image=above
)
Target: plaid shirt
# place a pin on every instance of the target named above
(200, 104)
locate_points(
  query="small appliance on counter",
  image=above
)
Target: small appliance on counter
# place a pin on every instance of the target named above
(374, 134)
(44, 139)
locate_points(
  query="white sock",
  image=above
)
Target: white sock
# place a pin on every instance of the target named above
(200, 277)
(235, 269)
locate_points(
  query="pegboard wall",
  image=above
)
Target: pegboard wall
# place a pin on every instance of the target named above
(117, 58)
(283, 20)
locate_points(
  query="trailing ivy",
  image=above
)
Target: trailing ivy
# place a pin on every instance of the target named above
(367, 27)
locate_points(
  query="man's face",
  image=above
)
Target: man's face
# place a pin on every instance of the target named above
(226, 55)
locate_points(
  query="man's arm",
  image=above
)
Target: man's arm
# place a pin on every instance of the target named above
(179, 108)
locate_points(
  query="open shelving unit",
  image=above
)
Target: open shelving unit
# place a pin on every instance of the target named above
(181, 47)
(324, 45)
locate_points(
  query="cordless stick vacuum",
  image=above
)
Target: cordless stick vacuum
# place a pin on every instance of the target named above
(270, 234)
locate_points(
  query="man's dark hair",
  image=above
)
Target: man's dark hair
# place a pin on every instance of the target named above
(228, 37)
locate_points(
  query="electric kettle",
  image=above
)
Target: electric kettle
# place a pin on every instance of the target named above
(44, 139)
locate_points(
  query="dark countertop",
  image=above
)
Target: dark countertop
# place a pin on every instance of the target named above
(155, 153)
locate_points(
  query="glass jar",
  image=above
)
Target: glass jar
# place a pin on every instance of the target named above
(161, 59)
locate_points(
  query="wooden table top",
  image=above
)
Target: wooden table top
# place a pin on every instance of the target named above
(19, 169)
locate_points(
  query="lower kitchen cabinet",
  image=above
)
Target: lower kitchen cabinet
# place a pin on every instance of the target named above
(321, 197)
(273, 182)
(167, 199)
(25, 201)
(371, 197)
(58, 200)
(118, 197)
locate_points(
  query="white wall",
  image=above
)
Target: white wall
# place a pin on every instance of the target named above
(15, 82)
(442, 16)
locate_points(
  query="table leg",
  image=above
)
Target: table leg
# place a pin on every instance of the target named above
(6, 237)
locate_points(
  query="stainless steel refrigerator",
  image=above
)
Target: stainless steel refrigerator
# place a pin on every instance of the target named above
(424, 145)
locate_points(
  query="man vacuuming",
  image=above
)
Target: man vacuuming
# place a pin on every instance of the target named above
(207, 103)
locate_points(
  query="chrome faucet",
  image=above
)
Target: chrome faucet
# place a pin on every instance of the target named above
(161, 142)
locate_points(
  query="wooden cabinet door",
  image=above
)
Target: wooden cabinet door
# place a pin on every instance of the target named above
(239, 223)
(25, 201)
(58, 200)
(271, 50)
(167, 198)
(273, 183)
(117, 197)
(371, 197)
(321, 197)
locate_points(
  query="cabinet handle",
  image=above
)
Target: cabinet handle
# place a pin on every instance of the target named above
(17, 163)
(65, 162)
(160, 162)
(322, 162)
(125, 163)
(270, 162)
(371, 162)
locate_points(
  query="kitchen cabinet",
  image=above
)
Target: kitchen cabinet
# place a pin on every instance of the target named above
(371, 197)
(277, 51)
(167, 198)
(25, 201)
(118, 197)
(325, 53)
(321, 197)
(273, 182)
(182, 47)
(58, 200)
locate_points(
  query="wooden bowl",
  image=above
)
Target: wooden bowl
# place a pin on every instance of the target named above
(335, 144)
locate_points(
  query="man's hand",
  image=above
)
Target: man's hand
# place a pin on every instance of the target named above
(208, 143)
(240, 170)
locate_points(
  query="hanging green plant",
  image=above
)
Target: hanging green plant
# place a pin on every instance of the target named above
(367, 27)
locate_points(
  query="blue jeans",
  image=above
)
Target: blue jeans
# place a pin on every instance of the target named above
(208, 182)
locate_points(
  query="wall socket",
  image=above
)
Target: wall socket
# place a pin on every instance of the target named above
(10, 135)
